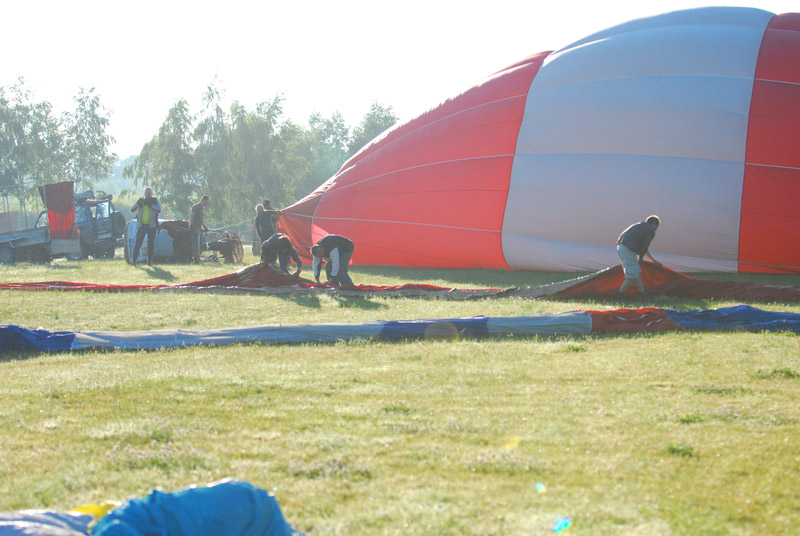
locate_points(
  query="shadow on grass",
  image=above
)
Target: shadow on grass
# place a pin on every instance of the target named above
(303, 300)
(19, 355)
(158, 273)
(467, 277)
(633, 301)
(769, 279)
(312, 301)
(53, 266)
(358, 303)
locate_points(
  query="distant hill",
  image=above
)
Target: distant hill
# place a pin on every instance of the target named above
(114, 184)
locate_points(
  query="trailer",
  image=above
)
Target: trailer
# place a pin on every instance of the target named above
(35, 245)
(47, 240)
(25, 244)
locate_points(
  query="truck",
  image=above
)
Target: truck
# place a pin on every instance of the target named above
(101, 225)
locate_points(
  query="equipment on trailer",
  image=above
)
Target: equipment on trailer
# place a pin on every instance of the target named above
(173, 243)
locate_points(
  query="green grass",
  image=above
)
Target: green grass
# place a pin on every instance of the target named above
(682, 433)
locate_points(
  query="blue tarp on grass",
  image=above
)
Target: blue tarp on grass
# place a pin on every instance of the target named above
(18, 339)
(740, 318)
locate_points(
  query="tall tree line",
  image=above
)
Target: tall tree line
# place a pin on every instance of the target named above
(38, 147)
(236, 155)
(240, 157)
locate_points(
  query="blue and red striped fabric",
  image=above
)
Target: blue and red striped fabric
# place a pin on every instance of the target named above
(739, 318)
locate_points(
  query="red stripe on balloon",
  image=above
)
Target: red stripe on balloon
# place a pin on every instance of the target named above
(433, 191)
(770, 220)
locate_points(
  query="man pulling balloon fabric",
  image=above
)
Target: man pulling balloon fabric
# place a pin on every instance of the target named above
(632, 246)
(278, 247)
(335, 251)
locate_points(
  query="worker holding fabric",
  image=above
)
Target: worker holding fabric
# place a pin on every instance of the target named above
(335, 251)
(632, 246)
(147, 209)
(279, 247)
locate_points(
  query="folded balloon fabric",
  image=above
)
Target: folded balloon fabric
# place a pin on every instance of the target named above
(229, 507)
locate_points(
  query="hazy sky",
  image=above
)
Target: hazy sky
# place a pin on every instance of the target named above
(321, 56)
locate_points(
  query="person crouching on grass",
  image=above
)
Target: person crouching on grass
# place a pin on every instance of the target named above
(278, 247)
(335, 251)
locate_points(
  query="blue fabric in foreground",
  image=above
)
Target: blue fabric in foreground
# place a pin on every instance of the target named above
(16, 339)
(445, 327)
(740, 317)
(230, 507)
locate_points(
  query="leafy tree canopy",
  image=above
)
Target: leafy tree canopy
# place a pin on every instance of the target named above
(236, 155)
(36, 147)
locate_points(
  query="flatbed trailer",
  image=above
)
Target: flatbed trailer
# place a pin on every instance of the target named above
(35, 245)
(25, 244)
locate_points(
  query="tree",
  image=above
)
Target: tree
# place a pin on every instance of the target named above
(328, 141)
(241, 157)
(49, 159)
(13, 164)
(291, 165)
(265, 154)
(87, 142)
(212, 136)
(377, 120)
(31, 144)
(166, 162)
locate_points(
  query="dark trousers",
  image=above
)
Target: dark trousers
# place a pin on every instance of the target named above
(282, 257)
(151, 242)
(343, 278)
(194, 238)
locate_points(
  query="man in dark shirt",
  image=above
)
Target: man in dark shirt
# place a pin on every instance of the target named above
(266, 220)
(632, 246)
(279, 247)
(335, 251)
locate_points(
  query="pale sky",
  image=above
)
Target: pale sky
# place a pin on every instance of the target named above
(321, 56)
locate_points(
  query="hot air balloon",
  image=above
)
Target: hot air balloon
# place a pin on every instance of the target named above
(692, 115)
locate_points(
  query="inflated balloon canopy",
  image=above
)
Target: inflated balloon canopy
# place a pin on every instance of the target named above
(692, 115)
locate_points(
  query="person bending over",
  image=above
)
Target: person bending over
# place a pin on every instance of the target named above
(632, 246)
(279, 247)
(335, 252)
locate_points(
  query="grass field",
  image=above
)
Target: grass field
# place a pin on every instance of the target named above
(669, 433)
